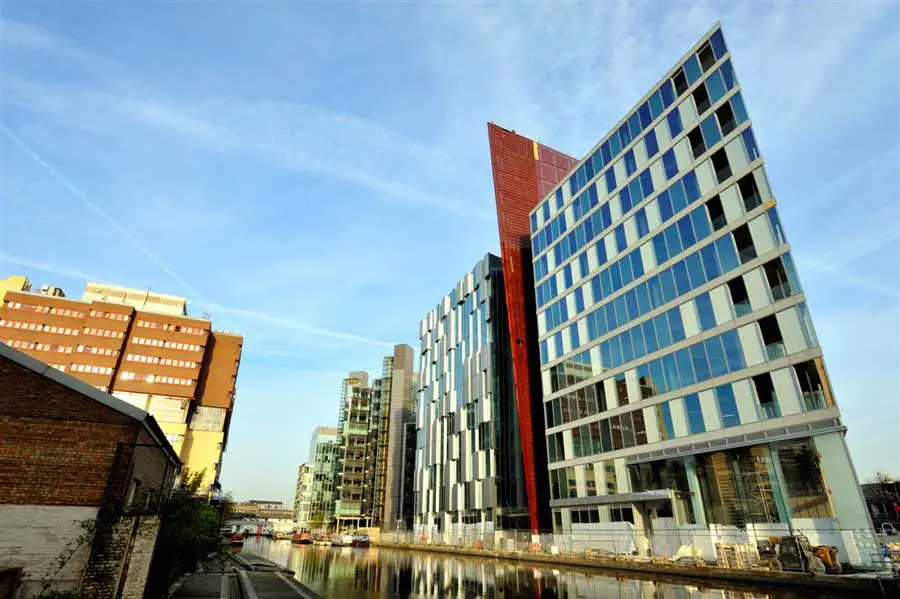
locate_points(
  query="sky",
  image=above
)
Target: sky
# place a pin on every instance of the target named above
(315, 176)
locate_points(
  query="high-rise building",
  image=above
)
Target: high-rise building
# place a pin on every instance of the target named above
(303, 496)
(173, 366)
(683, 383)
(323, 459)
(468, 461)
(371, 470)
(395, 455)
(14, 283)
(524, 171)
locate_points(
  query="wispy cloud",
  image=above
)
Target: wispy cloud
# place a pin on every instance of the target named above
(298, 137)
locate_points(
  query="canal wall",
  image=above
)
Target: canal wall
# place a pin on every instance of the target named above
(659, 567)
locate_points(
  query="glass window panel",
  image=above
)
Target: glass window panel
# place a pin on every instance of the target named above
(655, 292)
(727, 72)
(601, 252)
(694, 414)
(615, 352)
(715, 86)
(710, 262)
(705, 312)
(606, 354)
(650, 143)
(621, 242)
(634, 189)
(643, 299)
(673, 119)
(700, 362)
(695, 270)
(615, 276)
(634, 124)
(670, 369)
(656, 105)
(675, 325)
(627, 348)
(644, 115)
(637, 342)
(627, 425)
(718, 44)
(692, 69)
(733, 353)
(673, 241)
(691, 186)
(685, 369)
(667, 92)
(682, 282)
(625, 200)
(637, 263)
(607, 154)
(667, 282)
(727, 406)
(640, 218)
(646, 183)
(737, 106)
(667, 428)
(710, 128)
(679, 200)
(611, 320)
(701, 223)
(659, 248)
(625, 269)
(630, 163)
(686, 232)
(728, 257)
(670, 164)
(621, 311)
(610, 181)
(606, 283)
(649, 336)
(661, 324)
(665, 206)
(657, 377)
(606, 435)
(718, 366)
(631, 304)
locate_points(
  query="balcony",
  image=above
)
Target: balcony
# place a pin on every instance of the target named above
(770, 409)
(747, 254)
(814, 400)
(751, 201)
(742, 308)
(775, 350)
(781, 291)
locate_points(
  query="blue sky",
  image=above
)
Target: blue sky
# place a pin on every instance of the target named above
(316, 176)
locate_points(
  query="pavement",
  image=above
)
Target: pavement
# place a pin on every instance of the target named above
(245, 576)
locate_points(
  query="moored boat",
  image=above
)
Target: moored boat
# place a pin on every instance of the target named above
(321, 539)
(236, 540)
(301, 538)
(359, 541)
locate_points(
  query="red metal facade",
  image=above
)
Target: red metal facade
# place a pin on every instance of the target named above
(524, 172)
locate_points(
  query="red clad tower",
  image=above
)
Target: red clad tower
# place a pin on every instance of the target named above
(524, 173)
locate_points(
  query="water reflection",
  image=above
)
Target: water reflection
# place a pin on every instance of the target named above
(369, 573)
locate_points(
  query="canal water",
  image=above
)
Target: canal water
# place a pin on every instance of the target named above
(350, 573)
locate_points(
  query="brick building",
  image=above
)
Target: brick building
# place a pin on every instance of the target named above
(69, 453)
(142, 348)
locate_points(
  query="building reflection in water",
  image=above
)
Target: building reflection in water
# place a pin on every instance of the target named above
(369, 573)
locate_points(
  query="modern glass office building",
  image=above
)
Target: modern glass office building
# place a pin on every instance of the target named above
(683, 384)
(469, 465)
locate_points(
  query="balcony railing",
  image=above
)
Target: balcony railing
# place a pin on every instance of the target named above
(781, 290)
(743, 307)
(770, 409)
(747, 254)
(775, 350)
(723, 173)
(814, 400)
(752, 201)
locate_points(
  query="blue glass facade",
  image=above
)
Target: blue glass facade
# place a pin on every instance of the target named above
(669, 307)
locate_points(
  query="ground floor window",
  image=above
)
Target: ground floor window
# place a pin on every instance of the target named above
(803, 480)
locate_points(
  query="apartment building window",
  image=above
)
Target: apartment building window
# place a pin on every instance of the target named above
(777, 277)
(811, 387)
(739, 296)
(744, 242)
(721, 166)
(772, 339)
(749, 192)
(765, 394)
(728, 411)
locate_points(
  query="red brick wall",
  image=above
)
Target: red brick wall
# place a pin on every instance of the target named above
(521, 180)
(56, 446)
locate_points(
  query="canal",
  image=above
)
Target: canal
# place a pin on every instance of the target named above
(348, 573)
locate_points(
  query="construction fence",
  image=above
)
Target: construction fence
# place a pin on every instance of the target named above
(723, 546)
